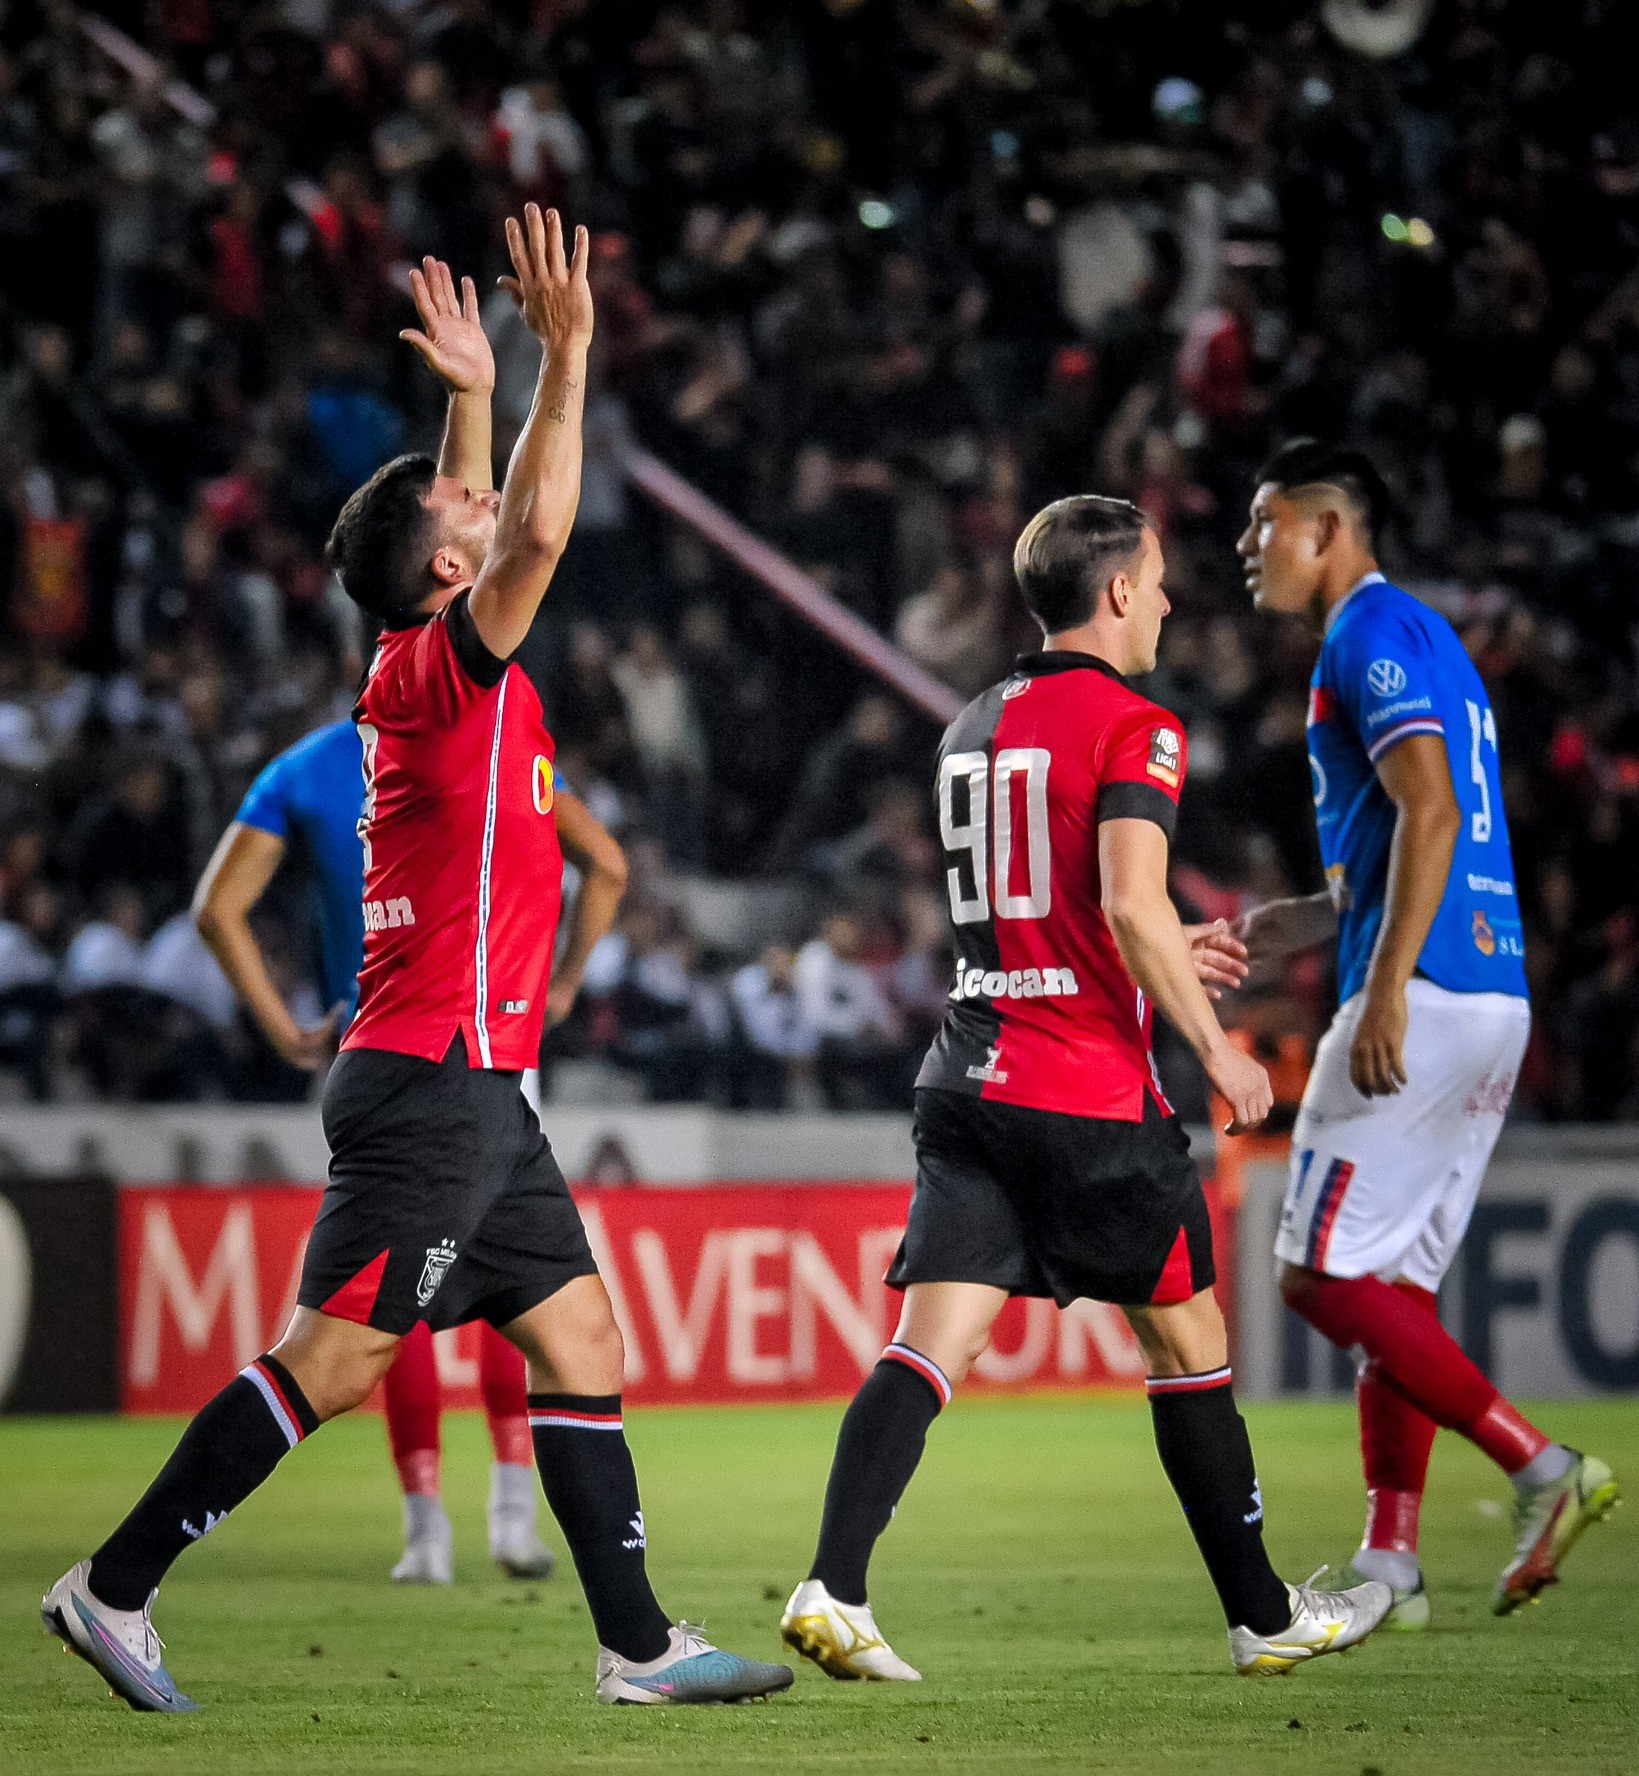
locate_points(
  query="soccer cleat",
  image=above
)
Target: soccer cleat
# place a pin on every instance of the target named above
(1322, 1622)
(841, 1638)
(429, 1543)
(1408, 1614)
(120, 1645)
(514, 1542)
(516, 1547)
(1550, 1518)
(690, 1670)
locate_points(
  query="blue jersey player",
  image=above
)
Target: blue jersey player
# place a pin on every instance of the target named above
(1411, 1082)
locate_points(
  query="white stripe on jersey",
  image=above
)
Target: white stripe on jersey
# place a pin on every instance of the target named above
(481, 958)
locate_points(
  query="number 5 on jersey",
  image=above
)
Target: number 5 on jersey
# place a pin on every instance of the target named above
(985, 826)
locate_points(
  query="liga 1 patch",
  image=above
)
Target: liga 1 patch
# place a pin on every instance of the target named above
(1166, 751)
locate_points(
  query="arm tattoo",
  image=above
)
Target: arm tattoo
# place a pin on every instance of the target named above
(557, 414)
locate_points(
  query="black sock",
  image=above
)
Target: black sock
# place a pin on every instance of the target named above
(1207, 1454)
(591, 1485)
(880, 1443)
(233, 1444)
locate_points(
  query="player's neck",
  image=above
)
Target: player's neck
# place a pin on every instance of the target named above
(1343, 573)
(1091, 638)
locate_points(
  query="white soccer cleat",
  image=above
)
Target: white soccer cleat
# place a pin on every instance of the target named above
(120, 1645)
(1322, 1622)
(690, 1670)
(841, 1638)
(516, 1547)
(429, 1543)
(515, 1544)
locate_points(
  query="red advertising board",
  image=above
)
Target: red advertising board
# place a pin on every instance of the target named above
(723, 1292)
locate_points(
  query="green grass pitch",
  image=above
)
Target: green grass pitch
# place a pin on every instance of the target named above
(1039, 1573)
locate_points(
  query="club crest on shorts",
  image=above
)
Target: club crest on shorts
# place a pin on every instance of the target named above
(1166, 754)
(439, 1260)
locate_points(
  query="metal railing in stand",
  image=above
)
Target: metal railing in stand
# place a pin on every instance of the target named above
(783, 579)
(795, 589)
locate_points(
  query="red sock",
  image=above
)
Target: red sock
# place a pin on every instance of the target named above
(1415, 1354)
(412, 1401)
(506, 1397)
(1396, 1440)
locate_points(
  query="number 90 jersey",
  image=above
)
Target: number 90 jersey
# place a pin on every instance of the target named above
(1043, 1012)
(1389, 668)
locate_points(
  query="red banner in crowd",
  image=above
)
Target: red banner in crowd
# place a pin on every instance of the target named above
(730, 1292)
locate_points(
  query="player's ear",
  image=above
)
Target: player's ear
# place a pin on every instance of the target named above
(1120, 591)
(448, 569)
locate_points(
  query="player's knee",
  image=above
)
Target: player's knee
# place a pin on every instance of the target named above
(605, 1357)
(1295, 1283)
(335, 1364)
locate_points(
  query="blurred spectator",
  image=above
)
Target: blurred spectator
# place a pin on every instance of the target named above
(881, 279)
(860, 1064)
(776, 1040)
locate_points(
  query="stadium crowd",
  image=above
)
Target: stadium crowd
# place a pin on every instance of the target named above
(882, 277)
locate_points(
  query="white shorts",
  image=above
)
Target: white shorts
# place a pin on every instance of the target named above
(1385, 1186)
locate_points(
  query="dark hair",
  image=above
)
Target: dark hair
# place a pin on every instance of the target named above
(1069, 551)
(1307, 462)
(379, 543)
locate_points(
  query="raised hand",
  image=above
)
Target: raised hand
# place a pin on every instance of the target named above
(451, 338)
(550, 291)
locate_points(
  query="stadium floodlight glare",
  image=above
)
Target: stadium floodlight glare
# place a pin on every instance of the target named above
(874, 213)
(1394, 228)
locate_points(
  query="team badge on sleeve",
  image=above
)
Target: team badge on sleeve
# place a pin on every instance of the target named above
(542, 783)
(1166, 753)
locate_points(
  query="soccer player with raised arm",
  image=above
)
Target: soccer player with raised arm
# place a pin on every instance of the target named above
(444, 1203)
(1049, 1162)
(1412, 1080)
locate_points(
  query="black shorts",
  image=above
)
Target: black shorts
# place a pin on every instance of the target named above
(444, 1203)
(1040, 1203)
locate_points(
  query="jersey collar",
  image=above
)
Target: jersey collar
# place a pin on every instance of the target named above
(1374, 578)
(1038, 665)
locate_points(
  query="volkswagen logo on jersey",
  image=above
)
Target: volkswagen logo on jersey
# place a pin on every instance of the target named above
(439, 1260)
(542, 782)
(1386, 677)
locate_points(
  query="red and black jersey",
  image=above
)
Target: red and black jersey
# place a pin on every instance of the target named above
(462, 871)
(1043, 1012)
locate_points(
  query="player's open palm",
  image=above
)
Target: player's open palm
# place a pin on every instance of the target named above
(451, 338)
(550, 290)
(1243, 1084)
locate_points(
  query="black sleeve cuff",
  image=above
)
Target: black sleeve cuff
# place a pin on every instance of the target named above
(1138, 801)
(480, 665)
